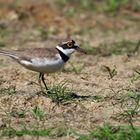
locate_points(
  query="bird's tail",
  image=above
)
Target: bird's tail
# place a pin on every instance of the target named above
(10, 54)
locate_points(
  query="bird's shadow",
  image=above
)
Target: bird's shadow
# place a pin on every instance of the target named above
(68, 98)
(65, 99)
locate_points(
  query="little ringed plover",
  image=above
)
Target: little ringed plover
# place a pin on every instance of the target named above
(44, 60)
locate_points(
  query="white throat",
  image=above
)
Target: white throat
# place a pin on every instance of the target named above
(67, 52)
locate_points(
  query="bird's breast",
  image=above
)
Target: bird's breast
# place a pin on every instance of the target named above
(44, 65)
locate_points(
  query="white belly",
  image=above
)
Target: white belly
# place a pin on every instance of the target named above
(43, 65)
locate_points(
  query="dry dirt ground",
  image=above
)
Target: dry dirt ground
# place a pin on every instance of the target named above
(42, 24)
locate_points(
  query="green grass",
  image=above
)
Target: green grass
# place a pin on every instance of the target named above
(128, 105)
(112, 7)
(81, 4)
(4, 31)
(60, 94)
(117, 48)
(135, 77)
(111, 71)
(48, 132)
(11, 132)
(124, 46)
(38, 113)
(116, 133)
(9, 91)
(106, 132)
(18, 114)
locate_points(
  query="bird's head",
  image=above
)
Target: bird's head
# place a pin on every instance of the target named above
(69, 47)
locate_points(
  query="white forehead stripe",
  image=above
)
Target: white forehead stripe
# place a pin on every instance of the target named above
(67, 52)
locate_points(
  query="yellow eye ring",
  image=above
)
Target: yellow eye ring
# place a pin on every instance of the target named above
(69, 44)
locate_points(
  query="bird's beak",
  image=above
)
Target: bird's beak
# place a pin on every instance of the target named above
(81, 50)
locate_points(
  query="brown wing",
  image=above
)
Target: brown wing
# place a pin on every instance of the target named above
(36, 52)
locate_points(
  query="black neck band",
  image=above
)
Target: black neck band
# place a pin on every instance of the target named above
(64, 57)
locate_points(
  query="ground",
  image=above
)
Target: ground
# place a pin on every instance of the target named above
(96, 89)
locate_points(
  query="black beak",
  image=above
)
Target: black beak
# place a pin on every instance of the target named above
(81, 50)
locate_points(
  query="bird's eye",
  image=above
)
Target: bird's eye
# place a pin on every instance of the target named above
(69, 44)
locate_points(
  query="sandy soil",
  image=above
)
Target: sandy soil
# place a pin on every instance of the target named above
(92, 80)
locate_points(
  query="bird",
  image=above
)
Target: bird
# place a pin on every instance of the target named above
(44, 60)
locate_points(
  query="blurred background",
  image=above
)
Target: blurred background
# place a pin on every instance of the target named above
(109, 30)
(94, 23)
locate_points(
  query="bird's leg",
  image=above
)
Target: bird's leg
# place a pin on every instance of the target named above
(43, 80)
(39, 81)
